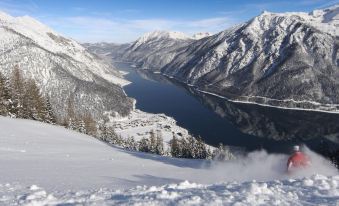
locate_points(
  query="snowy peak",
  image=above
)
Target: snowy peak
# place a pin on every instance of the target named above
(46, 38)
(5, 17)
(41, 34)
(201, 35)
(160, 35)
(325, 20)
(163, 35)
(328, 15)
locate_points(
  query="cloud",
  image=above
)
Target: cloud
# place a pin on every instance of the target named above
(24, 8)
(94, 29)
(86, 25)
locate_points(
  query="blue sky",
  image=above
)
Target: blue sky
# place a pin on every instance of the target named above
(125, 20)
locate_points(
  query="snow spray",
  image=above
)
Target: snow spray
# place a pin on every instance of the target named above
(261, 166)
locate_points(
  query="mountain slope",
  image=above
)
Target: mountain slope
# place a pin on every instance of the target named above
(61, 67)
(279, 59)
(155, 49)
(152, 50)
(287, 59)
(50, 165)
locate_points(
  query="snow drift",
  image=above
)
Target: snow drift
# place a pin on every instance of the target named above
(317, 190)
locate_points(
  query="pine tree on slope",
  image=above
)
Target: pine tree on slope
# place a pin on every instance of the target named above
(17, 92)
(144, 145)
(50, 116)
(90, 124)
(159, 150)
(5, 98)
(175, 147)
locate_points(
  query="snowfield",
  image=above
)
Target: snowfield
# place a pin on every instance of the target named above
(43, 164)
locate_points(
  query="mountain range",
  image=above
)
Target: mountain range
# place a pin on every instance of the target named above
(278, 59)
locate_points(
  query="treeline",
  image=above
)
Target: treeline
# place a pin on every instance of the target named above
(179, 147)
(22, 98)
(192, 148)
(83, 122)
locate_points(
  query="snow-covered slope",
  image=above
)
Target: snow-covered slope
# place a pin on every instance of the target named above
(44, 164)
(159, 35)
(106, 50)
(61, 66)
(283, 59)
(153, 50)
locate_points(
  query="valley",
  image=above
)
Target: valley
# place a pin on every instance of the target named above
(169, 102)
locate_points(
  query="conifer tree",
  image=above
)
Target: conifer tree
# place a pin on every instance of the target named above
(112, 137)
(81, 126)
(175, 147)
(4, 96)
(186, 147)
(131, 144)
(50, 116)
(70, 119)
(200, 149)
(72, 124)
(152, 142)
(144, 145)
(117, 139)
(70, 107)
(159, 144)
(90, 124)
(103, 132)
(34, 103)
(17, 92)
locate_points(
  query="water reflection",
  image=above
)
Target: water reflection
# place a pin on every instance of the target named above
(266, 122)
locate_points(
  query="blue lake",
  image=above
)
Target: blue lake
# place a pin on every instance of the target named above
(216, 120)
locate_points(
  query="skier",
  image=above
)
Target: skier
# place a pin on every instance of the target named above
(297, 160)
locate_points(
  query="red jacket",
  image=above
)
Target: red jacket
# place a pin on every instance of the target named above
(298, 159)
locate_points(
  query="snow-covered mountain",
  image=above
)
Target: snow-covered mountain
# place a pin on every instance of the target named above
(106, 50)
(153, 50)
(61, 67)
(279, 59)
(284, 59)
(50, 165)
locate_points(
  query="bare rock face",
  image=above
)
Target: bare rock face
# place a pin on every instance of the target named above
(61, 67)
